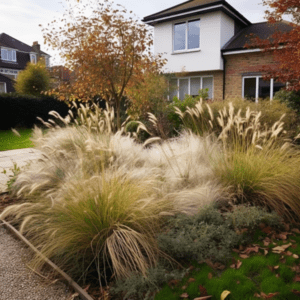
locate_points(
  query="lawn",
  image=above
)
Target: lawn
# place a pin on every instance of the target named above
(10, 141)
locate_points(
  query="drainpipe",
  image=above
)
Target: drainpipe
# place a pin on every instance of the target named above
(224, 75)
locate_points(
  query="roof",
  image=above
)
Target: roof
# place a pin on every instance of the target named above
(10, 42)
(262, 30)
(189, 8)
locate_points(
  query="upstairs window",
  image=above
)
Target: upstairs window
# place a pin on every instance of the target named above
(8, 55)
(33, 58)
(187, 35)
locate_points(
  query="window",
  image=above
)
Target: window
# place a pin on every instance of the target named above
(190, 86)
(2, 87)
(187, 35)
(33, 58)
(13, 74)
(8, 55)
(254, 87)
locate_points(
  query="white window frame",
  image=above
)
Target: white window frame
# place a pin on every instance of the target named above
(14, 54)
(186, 36)
(257, 87)
(33, 58)
(10, 72)
(201, 84)
(5, 88)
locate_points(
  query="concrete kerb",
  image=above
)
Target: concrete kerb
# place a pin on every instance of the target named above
(19, 156)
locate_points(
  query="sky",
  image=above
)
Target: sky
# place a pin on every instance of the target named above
(21, 18)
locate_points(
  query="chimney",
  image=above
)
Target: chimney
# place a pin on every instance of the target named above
(36, 47)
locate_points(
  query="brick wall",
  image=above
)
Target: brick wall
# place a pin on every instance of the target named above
(239, 64)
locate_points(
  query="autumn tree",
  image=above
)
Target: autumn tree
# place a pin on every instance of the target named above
(108, 51)
(33, 80)
(285, 47)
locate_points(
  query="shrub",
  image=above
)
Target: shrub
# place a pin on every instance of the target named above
(33, 80)
(290, 98)
(210, 234)
(22, 110)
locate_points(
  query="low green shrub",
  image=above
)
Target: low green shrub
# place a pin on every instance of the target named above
(139, 287)
(209, 234)
(290, 98)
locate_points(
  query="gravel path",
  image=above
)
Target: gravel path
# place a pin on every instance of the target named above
(17, 282)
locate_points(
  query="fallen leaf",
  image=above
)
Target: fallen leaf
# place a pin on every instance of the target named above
(293, 241)
(191, 280)
(297, 278)
(202, 290)
(203, 298)
(184, 295)
(280, 249)
(277, 276)
(296, 292)
(238, 282)
(173, 283)
(281, 236)
(289, 253)
(210, 276)
(296, 230)
(286, 227)
(267, 230)
(266, 243)
(266, 252)
(210, 263)
(276, 267)
(236, 250)
(244, 256)
(224, 294)
(271, 295)
(184, 287)
(295, 256)
(238, 264)
(257, 295)
(232, 266)
(251, 249)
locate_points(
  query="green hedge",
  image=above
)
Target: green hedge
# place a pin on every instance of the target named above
(22, 110)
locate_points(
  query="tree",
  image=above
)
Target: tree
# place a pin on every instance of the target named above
(33, 80)
(285, 47)
(108, 51)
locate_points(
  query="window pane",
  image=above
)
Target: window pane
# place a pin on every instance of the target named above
(173, 88)
(208, 84)
(4, 54)
(194, 34)
(183, 88)
(277, 86)
(179, 36)
(249, 88)
(195, 86)
(14, 56)
(9, 55)
(264, 88)
(2, 87)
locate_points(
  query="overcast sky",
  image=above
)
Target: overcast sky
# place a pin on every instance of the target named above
(21, 18)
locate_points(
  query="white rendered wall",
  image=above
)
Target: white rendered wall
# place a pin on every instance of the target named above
(212, 37)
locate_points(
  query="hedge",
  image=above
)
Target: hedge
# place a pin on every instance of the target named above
(22, 110)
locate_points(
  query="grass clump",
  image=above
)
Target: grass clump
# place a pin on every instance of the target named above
(101, 222)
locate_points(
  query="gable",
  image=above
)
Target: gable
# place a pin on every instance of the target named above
(193, 7)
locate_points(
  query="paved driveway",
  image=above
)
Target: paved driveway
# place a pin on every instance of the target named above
(19, 156)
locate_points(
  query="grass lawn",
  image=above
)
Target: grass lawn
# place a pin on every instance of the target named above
(10, 141)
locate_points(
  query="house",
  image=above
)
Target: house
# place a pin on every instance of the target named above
(204, 43)
(14, 56)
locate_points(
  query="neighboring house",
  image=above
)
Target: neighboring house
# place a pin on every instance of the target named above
(14, 56)
(60, 74)
(203, 41)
